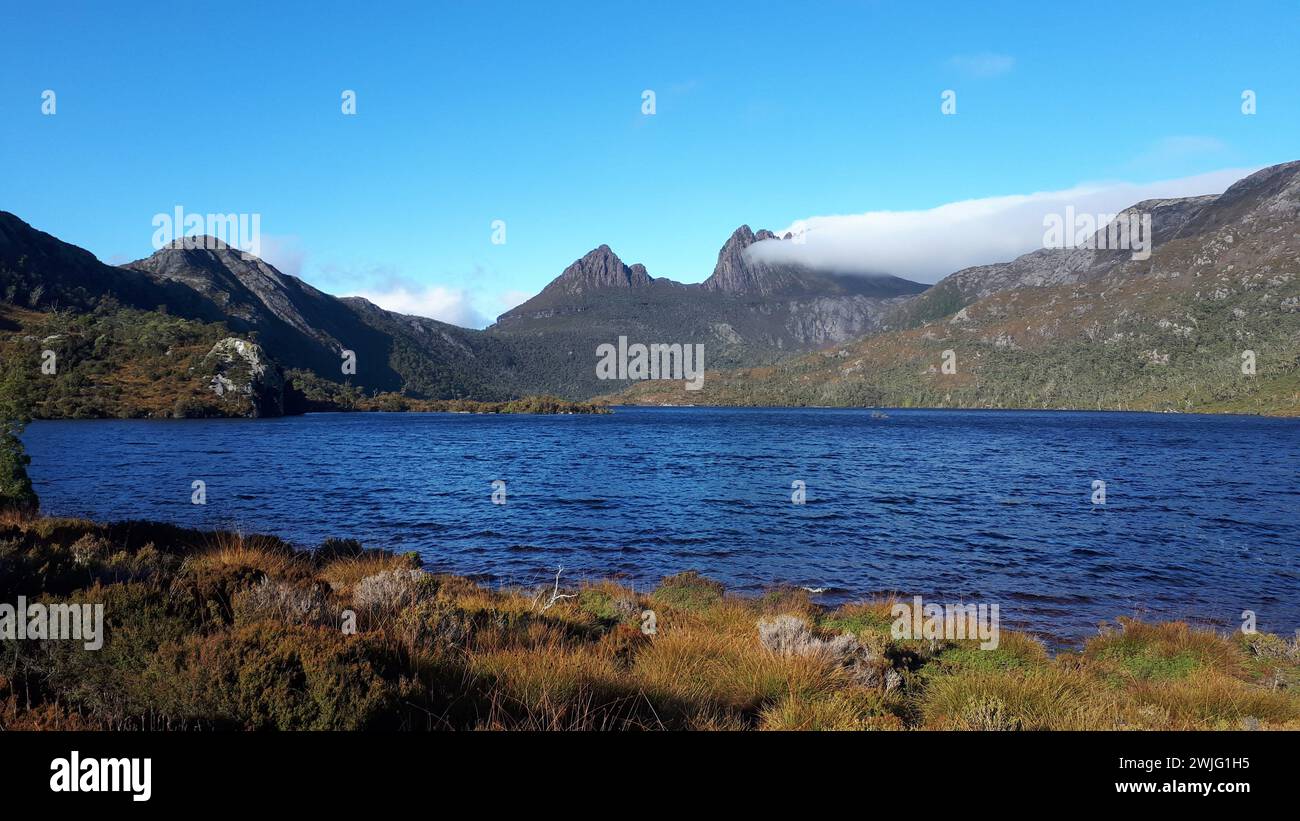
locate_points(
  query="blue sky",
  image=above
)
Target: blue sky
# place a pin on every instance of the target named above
(766, 114)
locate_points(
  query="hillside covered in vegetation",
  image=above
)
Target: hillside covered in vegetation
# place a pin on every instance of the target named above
(114, 362)
(1166, 344)
(219, 631)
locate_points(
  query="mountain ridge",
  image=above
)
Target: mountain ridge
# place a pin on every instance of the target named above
(1080, 328)
(748, 313)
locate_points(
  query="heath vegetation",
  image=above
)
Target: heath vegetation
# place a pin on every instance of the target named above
(226, 631)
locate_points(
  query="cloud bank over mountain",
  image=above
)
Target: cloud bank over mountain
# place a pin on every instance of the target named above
(453, 305)
(926, 245)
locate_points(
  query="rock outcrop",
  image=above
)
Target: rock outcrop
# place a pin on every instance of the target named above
(242, 372)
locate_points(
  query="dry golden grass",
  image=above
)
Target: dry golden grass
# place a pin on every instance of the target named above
(1167, 650)
(1041, 699)
(462, 655)
(711, 665)
(1144, 676)
(546, 672)
(17, 517)
(792, 600)
(851, 709)
(1211, 700)
(343, 573)
(565, 667)
(553, 686)
(228, 551)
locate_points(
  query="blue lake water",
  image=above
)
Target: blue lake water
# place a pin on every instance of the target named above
(1201, 518)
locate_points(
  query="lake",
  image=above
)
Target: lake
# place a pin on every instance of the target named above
(1201, 516)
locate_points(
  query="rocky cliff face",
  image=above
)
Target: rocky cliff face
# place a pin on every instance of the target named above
(241, 372)
(740, 272)
(599, 268)
(736, 273)
(825, 320)
(245, 286)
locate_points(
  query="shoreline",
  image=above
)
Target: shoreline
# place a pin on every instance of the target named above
(1294, 414)
(600, 409)
(825, 599)
(204, 629)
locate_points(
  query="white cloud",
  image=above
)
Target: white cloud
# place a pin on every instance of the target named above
(284, 253)
(927, 245)
(1177, 149)
(984, 64)
(433, 301)
(392, 290)
(511, 299)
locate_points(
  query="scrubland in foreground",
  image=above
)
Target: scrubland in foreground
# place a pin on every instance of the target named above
(222, 631)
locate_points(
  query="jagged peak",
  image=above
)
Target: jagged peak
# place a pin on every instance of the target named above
(744, 236)
(600, 268)
(736, 272)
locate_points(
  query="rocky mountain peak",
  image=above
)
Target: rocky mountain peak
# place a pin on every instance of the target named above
(600, 268)
(1269, 195)
(245, 286)
(186, 256)
(736, 272)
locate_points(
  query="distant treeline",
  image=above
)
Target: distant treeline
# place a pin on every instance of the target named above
(309, 393)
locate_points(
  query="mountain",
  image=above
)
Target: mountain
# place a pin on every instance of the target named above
(1170, 218)
(309, 329)
(437, 360)
(739, 273)
(1052, 328)
(600, 268)
(745, 313)
(304, 327)
(1218, 296)
(299, 326)
(735, 273)
(41, 272)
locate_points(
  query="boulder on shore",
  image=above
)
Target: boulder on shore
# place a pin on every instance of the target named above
(241, 370)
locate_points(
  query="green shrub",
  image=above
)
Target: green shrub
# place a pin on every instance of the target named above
(689, 591)
(283, 677)
(15, 487)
